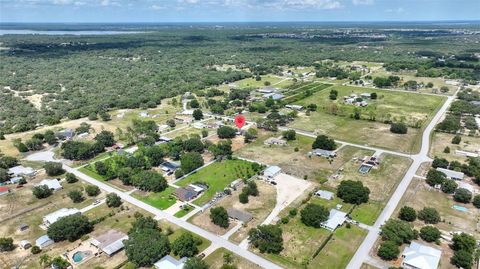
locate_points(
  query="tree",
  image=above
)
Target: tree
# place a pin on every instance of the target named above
(219, 216)
(388, 250)
(333, 95)
(456, 139)
(243, 197)
(440, 162)
(70, 178)
(8, 162)
(60, 263)
(197, 114)
(429, 215)
(191, 161)
(193, 144)
(6, 244)
(113, 200)
(444, 89)
(194, 103)
(252, 188)
(250, 135)
(435, 177)
(462, 259)
(171, 123)
(476, 201)
(204, 133)
(373, 95)
(92, 190)
(53, 168)
(69, 228)
(226, 132)
(41, 191)
(222, 149)
(462, 196)
(398, 128)
(105, 138)
(449, 186)
(76, 196)
(398, 231)
(324, 142)
(186, 245)
(34, 144)
(353, 192)
(267, 238)
(313, 215)
(312, 107)
(149, 181)
(195, 263)
(104, 116)
(407, 214)
(464, 241)
(289, 135)
(146, 246)
(4, 176)
(430, 233)
(35, 250)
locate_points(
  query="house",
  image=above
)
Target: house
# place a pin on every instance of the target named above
(272, 171)
(295, 107)
(65, 134)
(169, 167)
(53, 217)
(371, 160)
(52, 184)
(198, 188)
(15, 180)
(110, 242)
(43, 241)
(335, 218)
(19, 170)
(451, 174)
(420, 256)
(275, 141)
(327, 195)
(163, 127)
(25, 244)
(366, 95)
(239, 215)
(169, 262)
(23, 227)
(199, 125)
(465, 185)
(164, 139)
(466, 153)
(274, 96)
(143, 114)
(324, 153)
(185, 194)
(4, 190)
(267, 89)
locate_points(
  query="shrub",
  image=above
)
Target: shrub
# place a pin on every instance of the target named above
(407, 214)
(71, 178)
(289, 135)
(6, 244)
(92, 190)
(429, 215)
(35, 250)
(456, 140)
(398, 128)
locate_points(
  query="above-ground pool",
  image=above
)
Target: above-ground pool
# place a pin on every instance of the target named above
(460, 208)
(80, 255)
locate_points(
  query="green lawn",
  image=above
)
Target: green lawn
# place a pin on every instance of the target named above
(161, 200)
(183, 211)
(367, 213)
(275, 81)
(218, 176)
(90, 171)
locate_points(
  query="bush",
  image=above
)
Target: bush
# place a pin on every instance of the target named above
(41, 191)
(353, 192)
(430, 233)
(398, 128)
(76, 196)
(456, 140)
(71, 178)
(243, 198)
(313, 215)
(292, 212)
(446, 150)
(53, 168)
(267, 238)
(92, 190)
(462, 196)
(219, 216)
(6, 244)
(113, 200)
(388, 250)
(35, 250)
(407, 214)
(69, 228)
(429, 215)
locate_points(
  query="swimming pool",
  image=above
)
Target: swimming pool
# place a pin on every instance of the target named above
(80, 255)
(460, 208)
(364, 168)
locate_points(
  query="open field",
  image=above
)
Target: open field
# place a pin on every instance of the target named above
(218, 176)
(275, 81)
(215, 260)
(297, 163)
(442, 140)
(161, 200)
(381, 182)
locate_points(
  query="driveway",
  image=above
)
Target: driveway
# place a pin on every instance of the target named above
(42, 156)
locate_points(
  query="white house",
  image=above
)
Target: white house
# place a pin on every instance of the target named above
(336, 218)
(52, 184)
(418, 256)
(53, 217)
(272, 171)
(43, 241)
(169, 262)
(327, 195)
(451, 174)
(294, 107)
(19, 170)
(324, 153)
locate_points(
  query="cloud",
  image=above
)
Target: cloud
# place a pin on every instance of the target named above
(157, 7)
(189, 1)
(62, 2)
(363, 2)
(285, 4)
(398, 10)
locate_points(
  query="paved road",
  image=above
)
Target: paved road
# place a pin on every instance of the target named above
(217, 240)
(364, 249)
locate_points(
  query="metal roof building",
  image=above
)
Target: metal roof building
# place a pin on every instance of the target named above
(53, 217)
(451, 174)
(110, 242)
(421, 256)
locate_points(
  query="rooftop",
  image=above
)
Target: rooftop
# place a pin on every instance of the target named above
(450, 173)
(272, 170)
(169, 262)
(52, 184)
(239, 215)
(421, 256)
(54, 216)
(110, 242)
(335, 219)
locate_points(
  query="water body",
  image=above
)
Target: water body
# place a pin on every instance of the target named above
(54, 32)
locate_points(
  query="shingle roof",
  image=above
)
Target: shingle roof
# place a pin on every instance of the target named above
(239, 215)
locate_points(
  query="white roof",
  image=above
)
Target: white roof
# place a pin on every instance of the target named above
(335, 219)
(195, 188)
(24, 243)
(169, 262)
(21, 170)
(272, 171)
(421, 256)
(328, 195)
(53, 217)
(43, 241)
(110, 242)
(52, 184)
(450, 173)
(465, 185)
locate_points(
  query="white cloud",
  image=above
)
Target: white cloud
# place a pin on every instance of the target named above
(396, 10)
(189, 1)
(157, 7)
(285, 4)
(62, 2)
(363, 2)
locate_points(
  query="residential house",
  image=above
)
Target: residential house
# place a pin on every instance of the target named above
(323, 153)
(4, 190)
(451, 174)
(143, 114)
(169, 167)
(19, 171)
(295, 107)
(43, 241)
(272, 171)
(15, 180)
(52, 184)
(185, 194)
(327, 195)
(110, 242)
(54, 216)
(418, 256)
(163, 127)
(335, 219)
(274, 96)
(65, 134)
(275, 141)
(266, 89)
(239, 215)
(169, 262)
(366, 95)
(199, 125)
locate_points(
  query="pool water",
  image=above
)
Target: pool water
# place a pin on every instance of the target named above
(80, 255)
(460, 208)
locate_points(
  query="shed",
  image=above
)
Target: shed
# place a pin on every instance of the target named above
(451, 174)
(169, 166)
(65, 134)
(327, 195)
(25, 244)
(23, 227)
(239, 215)
(43, 241)
(275, 141)
(272, 171)
(15, 180)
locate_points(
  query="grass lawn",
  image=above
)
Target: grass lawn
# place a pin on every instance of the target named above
(218, 176)
(90, 171)
(367, 213)
(441, 140)
(275, 81)
(161, 200)
(186, 209)
(215, 260)
(340, 249)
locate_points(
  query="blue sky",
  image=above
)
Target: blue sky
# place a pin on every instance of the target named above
(236, 10)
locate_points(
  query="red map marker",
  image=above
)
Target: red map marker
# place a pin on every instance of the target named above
(240, 121)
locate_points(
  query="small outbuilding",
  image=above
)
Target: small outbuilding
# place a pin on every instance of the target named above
(23, 227)
(275, 141)
(324, 153)
(25, 244)
(43, 241)
(335, 219)
(327, 195)
(272, 171)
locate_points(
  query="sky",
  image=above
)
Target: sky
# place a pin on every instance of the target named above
(90, 11)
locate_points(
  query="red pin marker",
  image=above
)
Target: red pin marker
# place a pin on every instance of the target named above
(240, 121)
